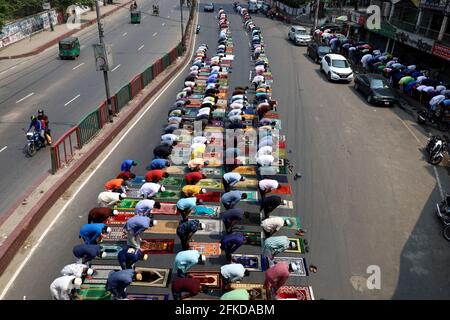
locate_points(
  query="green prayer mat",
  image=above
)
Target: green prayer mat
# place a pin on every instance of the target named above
(168, 195)
(172, 181)
(210, 184)
(93, 292)
(126, 205)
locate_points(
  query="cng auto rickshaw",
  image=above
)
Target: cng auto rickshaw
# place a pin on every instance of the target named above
(69, 48)
(135, 17)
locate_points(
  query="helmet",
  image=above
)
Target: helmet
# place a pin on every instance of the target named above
(33, 118)
(40, 112)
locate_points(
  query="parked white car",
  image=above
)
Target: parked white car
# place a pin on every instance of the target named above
(336, 68)
(299, 35)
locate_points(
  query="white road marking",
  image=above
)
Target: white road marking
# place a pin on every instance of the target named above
(155, 34)
(67, 103)
(115, 68)
(163, 24)
(4, 148)
(27, 96)
(51, 224)
(124, 34)
(250, 75)
(78, 66)
(140, 48)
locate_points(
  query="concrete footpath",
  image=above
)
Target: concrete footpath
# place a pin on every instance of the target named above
(20, 223)
(47, 38)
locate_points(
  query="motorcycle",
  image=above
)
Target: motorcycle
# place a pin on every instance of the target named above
(197, 30)
(425, 116)
(33, 142)
(443, 213)
(436, 148)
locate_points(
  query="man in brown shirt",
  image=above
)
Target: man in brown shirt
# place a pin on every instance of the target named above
(100, 214)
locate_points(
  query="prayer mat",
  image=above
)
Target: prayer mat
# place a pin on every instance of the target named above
(213, 155)
(272, 170)
(254, 238)
(164, 226)
(152, 277)
(222, 104)
(172, 181)
(210, 184)
(246, 170)
(116, 234)
(302, 270)
(247, 184)
(289, 205)
(295, 292)
(209, 196)
(175, 170)
(166, 209)
(149, 296)
(209, 249)
(280, 178)
(250, 261)
(158, 246)
(101, 274)
(212, 227)
(213, 129)
(111, 251)
(121, 218)
(299, 247)
(137, 182)
(134, 194)
(185, 138)
(248, 116)
(168, 195)
(93, 292)
(256, 289)
(285, 189)
(282, 144)
(252, 196)
(175, 160)
(254, 218)
(218, 114)
(210, 279)
(272, 115)
(281, 152)
(126, 205)
(212, 171)
(205, 210)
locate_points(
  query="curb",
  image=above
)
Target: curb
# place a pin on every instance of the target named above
(15, 240)
(67, 34)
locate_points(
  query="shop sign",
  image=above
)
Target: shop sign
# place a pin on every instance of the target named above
(441, 51)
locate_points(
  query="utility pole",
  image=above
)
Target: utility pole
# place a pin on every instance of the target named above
(182, 27)
(316, 15)
(105, 73)
(50, 16)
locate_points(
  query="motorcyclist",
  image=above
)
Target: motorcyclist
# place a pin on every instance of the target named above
(45, 122)
(38, 127)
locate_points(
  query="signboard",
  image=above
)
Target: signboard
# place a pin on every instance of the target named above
(103, 57)
(414, 40)
(46, 6)
(441, 51)
(436, 5)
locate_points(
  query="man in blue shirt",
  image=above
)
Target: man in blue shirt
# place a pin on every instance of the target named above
(87, 252)
(118, 281)
(145, 207)
(230, 179)
(186, 205)
(231, 217)
(127, 164)
(38, 127)
(134, 227)
(230, 243)
(128, 257)
(92, 233)
(231, 199)
(185, 260)
(186, 230)
(158, 164)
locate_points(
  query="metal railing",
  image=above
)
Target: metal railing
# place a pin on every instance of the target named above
(63, 150)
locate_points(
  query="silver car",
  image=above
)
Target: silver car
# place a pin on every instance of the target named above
(299, 35)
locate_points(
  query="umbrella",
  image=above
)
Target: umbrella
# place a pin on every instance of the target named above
(342, 18)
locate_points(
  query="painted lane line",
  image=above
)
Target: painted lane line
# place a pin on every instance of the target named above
(83, 184)
(4, 148)
(155, 34)
(65, 105)
(124, 34)
(250, 76)
(140, 48)
(116, 67)
(78, 66)
(26, 97)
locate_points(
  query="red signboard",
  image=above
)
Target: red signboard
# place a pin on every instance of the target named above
(441, 51)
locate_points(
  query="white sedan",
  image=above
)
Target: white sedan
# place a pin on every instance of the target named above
(336, 68)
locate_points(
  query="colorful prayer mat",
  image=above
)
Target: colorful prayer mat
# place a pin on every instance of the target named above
(121, 218)
(111, 251)
(175, 170)
(101, 273)
(137, 182)
(205, 210)
(172, 181)
(302, 270)
(254, 238)
(209, 196)
(295, 292)
(116, 234)
(289, 205)
(150, 296)
(211, 227)
(133, 193)
(254, 218)
(252, 196)
(93, 292)
(249, 261)
(247, 184)
(246, 170)
(164, 226)
(298, 243)
(285, 189)
(212, 171)
(152, 277)
(257, 290)
(211, 279)
(169, 209)
(168, 195)
(210, 184)
(209, 249)
(126, 205)
(158, 246)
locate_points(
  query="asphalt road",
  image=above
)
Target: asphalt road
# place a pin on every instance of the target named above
(69, 89)
(366, 196)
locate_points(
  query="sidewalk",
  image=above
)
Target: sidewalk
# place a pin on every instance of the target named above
(45, 39)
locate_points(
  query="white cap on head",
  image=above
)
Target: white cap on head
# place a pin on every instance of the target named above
(103, 254)
(108, 230)
(78, 282)
(115, 212)
(145, 257)
(203, 190)
(163, 188)
(203, 258)
(123, 195)
(90, 271)
(202, 226)
(294, 267)
(155, 222)
(243, 178)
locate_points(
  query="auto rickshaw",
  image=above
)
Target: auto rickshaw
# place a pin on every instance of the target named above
(135, 17)
(69, 48)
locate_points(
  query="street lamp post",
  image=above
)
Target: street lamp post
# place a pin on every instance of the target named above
(105, 73)
(316, 15)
